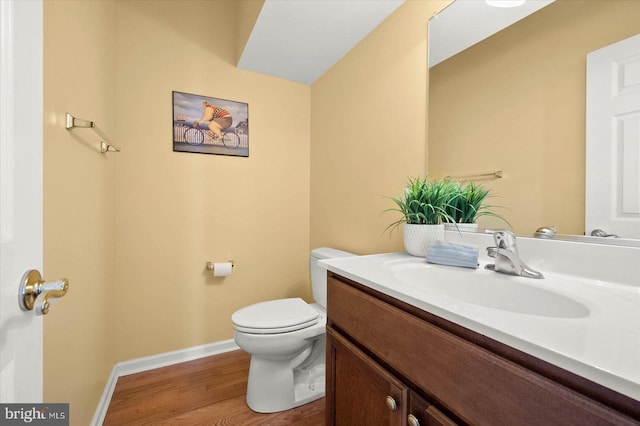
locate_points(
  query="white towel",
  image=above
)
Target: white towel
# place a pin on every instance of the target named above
(445, 253)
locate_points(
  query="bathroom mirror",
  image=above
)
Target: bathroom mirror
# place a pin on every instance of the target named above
(515, 102)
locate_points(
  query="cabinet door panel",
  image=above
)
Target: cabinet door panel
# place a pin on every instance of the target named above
(476, 385)
(360, 388)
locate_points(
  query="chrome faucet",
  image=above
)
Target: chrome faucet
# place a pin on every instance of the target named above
(507, 258)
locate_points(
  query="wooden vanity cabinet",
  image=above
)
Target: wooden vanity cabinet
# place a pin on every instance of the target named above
(389, 363)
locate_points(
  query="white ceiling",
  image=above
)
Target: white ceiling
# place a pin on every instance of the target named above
(299, 40)
(465, 22)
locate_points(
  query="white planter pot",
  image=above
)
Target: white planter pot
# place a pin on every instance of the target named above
(462, 227)
(416, 237)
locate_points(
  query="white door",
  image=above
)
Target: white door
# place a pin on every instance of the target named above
(21, 196)
(613, 139)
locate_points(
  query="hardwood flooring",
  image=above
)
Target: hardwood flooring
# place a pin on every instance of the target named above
(207, 391)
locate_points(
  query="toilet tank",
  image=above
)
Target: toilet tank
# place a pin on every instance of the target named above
(319, 274)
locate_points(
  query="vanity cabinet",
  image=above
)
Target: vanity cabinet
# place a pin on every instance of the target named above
(389, 363)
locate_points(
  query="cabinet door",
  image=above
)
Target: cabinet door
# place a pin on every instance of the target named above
(422, 413)
(360, 392)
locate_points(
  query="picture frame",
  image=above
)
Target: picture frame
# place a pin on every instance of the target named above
(208, 125)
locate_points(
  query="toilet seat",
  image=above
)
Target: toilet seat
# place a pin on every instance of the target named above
(275, 316)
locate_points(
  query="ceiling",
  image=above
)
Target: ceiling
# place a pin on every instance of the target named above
(299, 40)
(465, 22)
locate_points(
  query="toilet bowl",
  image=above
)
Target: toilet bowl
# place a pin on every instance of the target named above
(286, 340)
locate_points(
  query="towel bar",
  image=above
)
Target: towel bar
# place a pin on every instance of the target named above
(105, 145)
(497, 175)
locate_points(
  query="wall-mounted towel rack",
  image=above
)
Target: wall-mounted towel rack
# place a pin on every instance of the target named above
(493, 175)
(105, 145)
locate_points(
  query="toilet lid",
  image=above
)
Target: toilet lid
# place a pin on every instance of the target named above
(275, 316)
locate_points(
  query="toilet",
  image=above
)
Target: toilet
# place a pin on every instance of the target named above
(286, 341)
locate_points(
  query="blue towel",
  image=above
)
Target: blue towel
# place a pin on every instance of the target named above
(445, 253)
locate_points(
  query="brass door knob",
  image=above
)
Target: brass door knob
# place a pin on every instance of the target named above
(34, 292)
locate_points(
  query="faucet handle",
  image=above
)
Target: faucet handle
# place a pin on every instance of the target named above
(503, 239)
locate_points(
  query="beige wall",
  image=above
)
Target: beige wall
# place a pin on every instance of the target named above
(516, 102)
(176, 211)
(79, 202)
(368, 132)
(133, 230)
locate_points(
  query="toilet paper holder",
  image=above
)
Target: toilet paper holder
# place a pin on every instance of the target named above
(211, 265)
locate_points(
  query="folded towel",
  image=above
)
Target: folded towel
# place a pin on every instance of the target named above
(445, 253)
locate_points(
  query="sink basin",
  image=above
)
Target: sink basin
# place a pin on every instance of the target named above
(490, 290)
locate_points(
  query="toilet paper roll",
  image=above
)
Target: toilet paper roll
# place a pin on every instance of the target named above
(222, 269)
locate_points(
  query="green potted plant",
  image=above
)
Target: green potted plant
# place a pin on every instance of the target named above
(425, 207)
(464, 209)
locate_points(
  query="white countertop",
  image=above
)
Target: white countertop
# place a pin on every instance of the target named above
(603, 346)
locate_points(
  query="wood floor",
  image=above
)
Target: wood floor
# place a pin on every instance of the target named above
(207, 391)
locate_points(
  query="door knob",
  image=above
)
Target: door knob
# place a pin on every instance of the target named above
(35, 292)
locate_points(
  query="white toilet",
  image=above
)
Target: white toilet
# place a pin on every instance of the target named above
(286, 340)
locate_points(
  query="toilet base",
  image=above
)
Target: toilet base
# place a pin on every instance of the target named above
(275, 387)
(269, 396)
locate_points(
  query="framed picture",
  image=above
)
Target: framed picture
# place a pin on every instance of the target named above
(207, 125)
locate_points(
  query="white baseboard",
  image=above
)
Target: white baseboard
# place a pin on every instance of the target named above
(169, 358)
(105, 399)
(139, 365)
